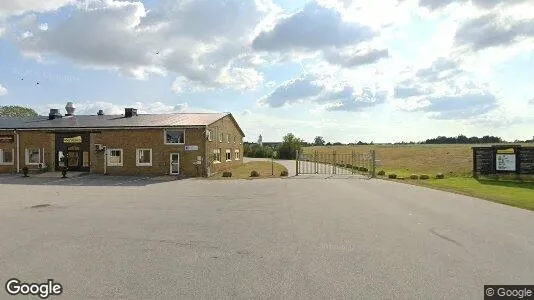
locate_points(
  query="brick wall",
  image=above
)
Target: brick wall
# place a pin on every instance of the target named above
(226, 126)
(42, 140)
(131, 140)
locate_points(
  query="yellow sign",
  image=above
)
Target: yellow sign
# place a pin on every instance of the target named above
(72, 140)
(506, 151)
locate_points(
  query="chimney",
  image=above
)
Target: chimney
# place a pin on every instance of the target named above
(70, 109)
(54, 114)
(100, 112)
(130, 112)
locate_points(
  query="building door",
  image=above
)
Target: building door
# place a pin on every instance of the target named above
(175, 164)
(74, 159)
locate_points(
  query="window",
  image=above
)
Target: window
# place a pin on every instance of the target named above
(208, 135)
(115, 157)
(228, 155)
(217, 155)
(220, 137)
(144, 158)
(228, 138)
(33, 156)
(236, 154)
(6, 157)
(240, 140)
(174, 137)
(235, 137)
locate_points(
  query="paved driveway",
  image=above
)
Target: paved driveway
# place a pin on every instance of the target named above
(278, 238)
(289, 164)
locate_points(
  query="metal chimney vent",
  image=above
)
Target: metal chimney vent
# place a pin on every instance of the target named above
(70, 108)
(54, 114)
(100, 112)
(130, 112)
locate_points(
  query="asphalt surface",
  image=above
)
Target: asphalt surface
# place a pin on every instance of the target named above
(140, 238)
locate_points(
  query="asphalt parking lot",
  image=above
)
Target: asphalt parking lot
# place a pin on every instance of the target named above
(146, 238)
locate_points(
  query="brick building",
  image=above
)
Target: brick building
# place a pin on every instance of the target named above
(190, 144)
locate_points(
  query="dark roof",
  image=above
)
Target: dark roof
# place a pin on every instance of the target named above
(112, 121)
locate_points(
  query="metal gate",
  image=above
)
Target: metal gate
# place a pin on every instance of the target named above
(332, 163)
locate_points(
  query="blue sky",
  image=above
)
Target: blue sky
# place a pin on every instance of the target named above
(346, 70)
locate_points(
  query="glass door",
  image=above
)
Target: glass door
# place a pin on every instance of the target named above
(175, 163)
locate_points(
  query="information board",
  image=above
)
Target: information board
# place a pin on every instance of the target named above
(505, 162)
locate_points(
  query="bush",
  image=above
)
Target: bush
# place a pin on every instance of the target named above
(392, 176)
(254, 174)
(440, 176)
(227, 174)
(381, 173)
(424, 177)
(348, 166)
(414, 176)
(284, 173)
(25, 171)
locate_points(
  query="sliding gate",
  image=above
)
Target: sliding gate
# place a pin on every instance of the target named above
(332, 163)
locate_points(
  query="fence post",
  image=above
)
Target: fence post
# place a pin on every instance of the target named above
(373, 163)
(315, 160)
(297, 163)
(335, 161)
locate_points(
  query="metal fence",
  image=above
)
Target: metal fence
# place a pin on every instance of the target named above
(332, 163)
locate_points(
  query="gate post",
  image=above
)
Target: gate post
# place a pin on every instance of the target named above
(373, 166)
(335, 161)
(297, 163)
(315, 160)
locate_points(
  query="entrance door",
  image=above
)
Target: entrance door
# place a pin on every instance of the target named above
(175, 164)
(74, 159)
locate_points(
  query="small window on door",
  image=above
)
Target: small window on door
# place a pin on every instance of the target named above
(144, 157)
(115, 158)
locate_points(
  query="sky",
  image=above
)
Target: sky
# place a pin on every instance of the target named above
(360, 70)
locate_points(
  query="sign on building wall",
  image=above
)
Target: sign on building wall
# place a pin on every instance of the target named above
(505, 162)
(7, 139)
(73, 140)
(191, 148)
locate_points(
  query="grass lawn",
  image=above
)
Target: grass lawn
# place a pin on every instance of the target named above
(518, 194)
(243, 172)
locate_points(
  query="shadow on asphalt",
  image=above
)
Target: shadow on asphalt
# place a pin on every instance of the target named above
(86, 180)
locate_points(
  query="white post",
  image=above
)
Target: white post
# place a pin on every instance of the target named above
(105, 160)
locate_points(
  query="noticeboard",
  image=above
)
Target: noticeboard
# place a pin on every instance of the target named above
(505, 162)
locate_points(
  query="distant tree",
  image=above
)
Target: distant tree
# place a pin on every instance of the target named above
(329, 144)
(17, 111)
(337, 144)
(289, 147)
(319, 141)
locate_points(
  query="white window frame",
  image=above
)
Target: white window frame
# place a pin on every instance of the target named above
(235, 137)
(236, 154)
(210, 138)
(228, 153)
(2, 157)
(217, 151)
(165, 136)
(220, 137)
(27, 160)
(228, 138)
(115, 164)
(137, 156)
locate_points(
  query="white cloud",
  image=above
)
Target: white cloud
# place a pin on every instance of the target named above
(43, 26)
(18, 7)
(198, 40)
(3, 90)
(324, 93)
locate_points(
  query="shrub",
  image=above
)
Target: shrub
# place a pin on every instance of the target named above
(361, 169)
(254, 174)
(284, 173)
(440, 176)
(25, 171)
(414, 176)
(381, 173)
(392, 176)
(365, 170)
(227, 174)
(348, 166)
(424, 177)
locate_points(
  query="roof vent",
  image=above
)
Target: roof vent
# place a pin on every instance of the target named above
(130, 112)
(54, 114)
(70, 109)
(100, 112)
